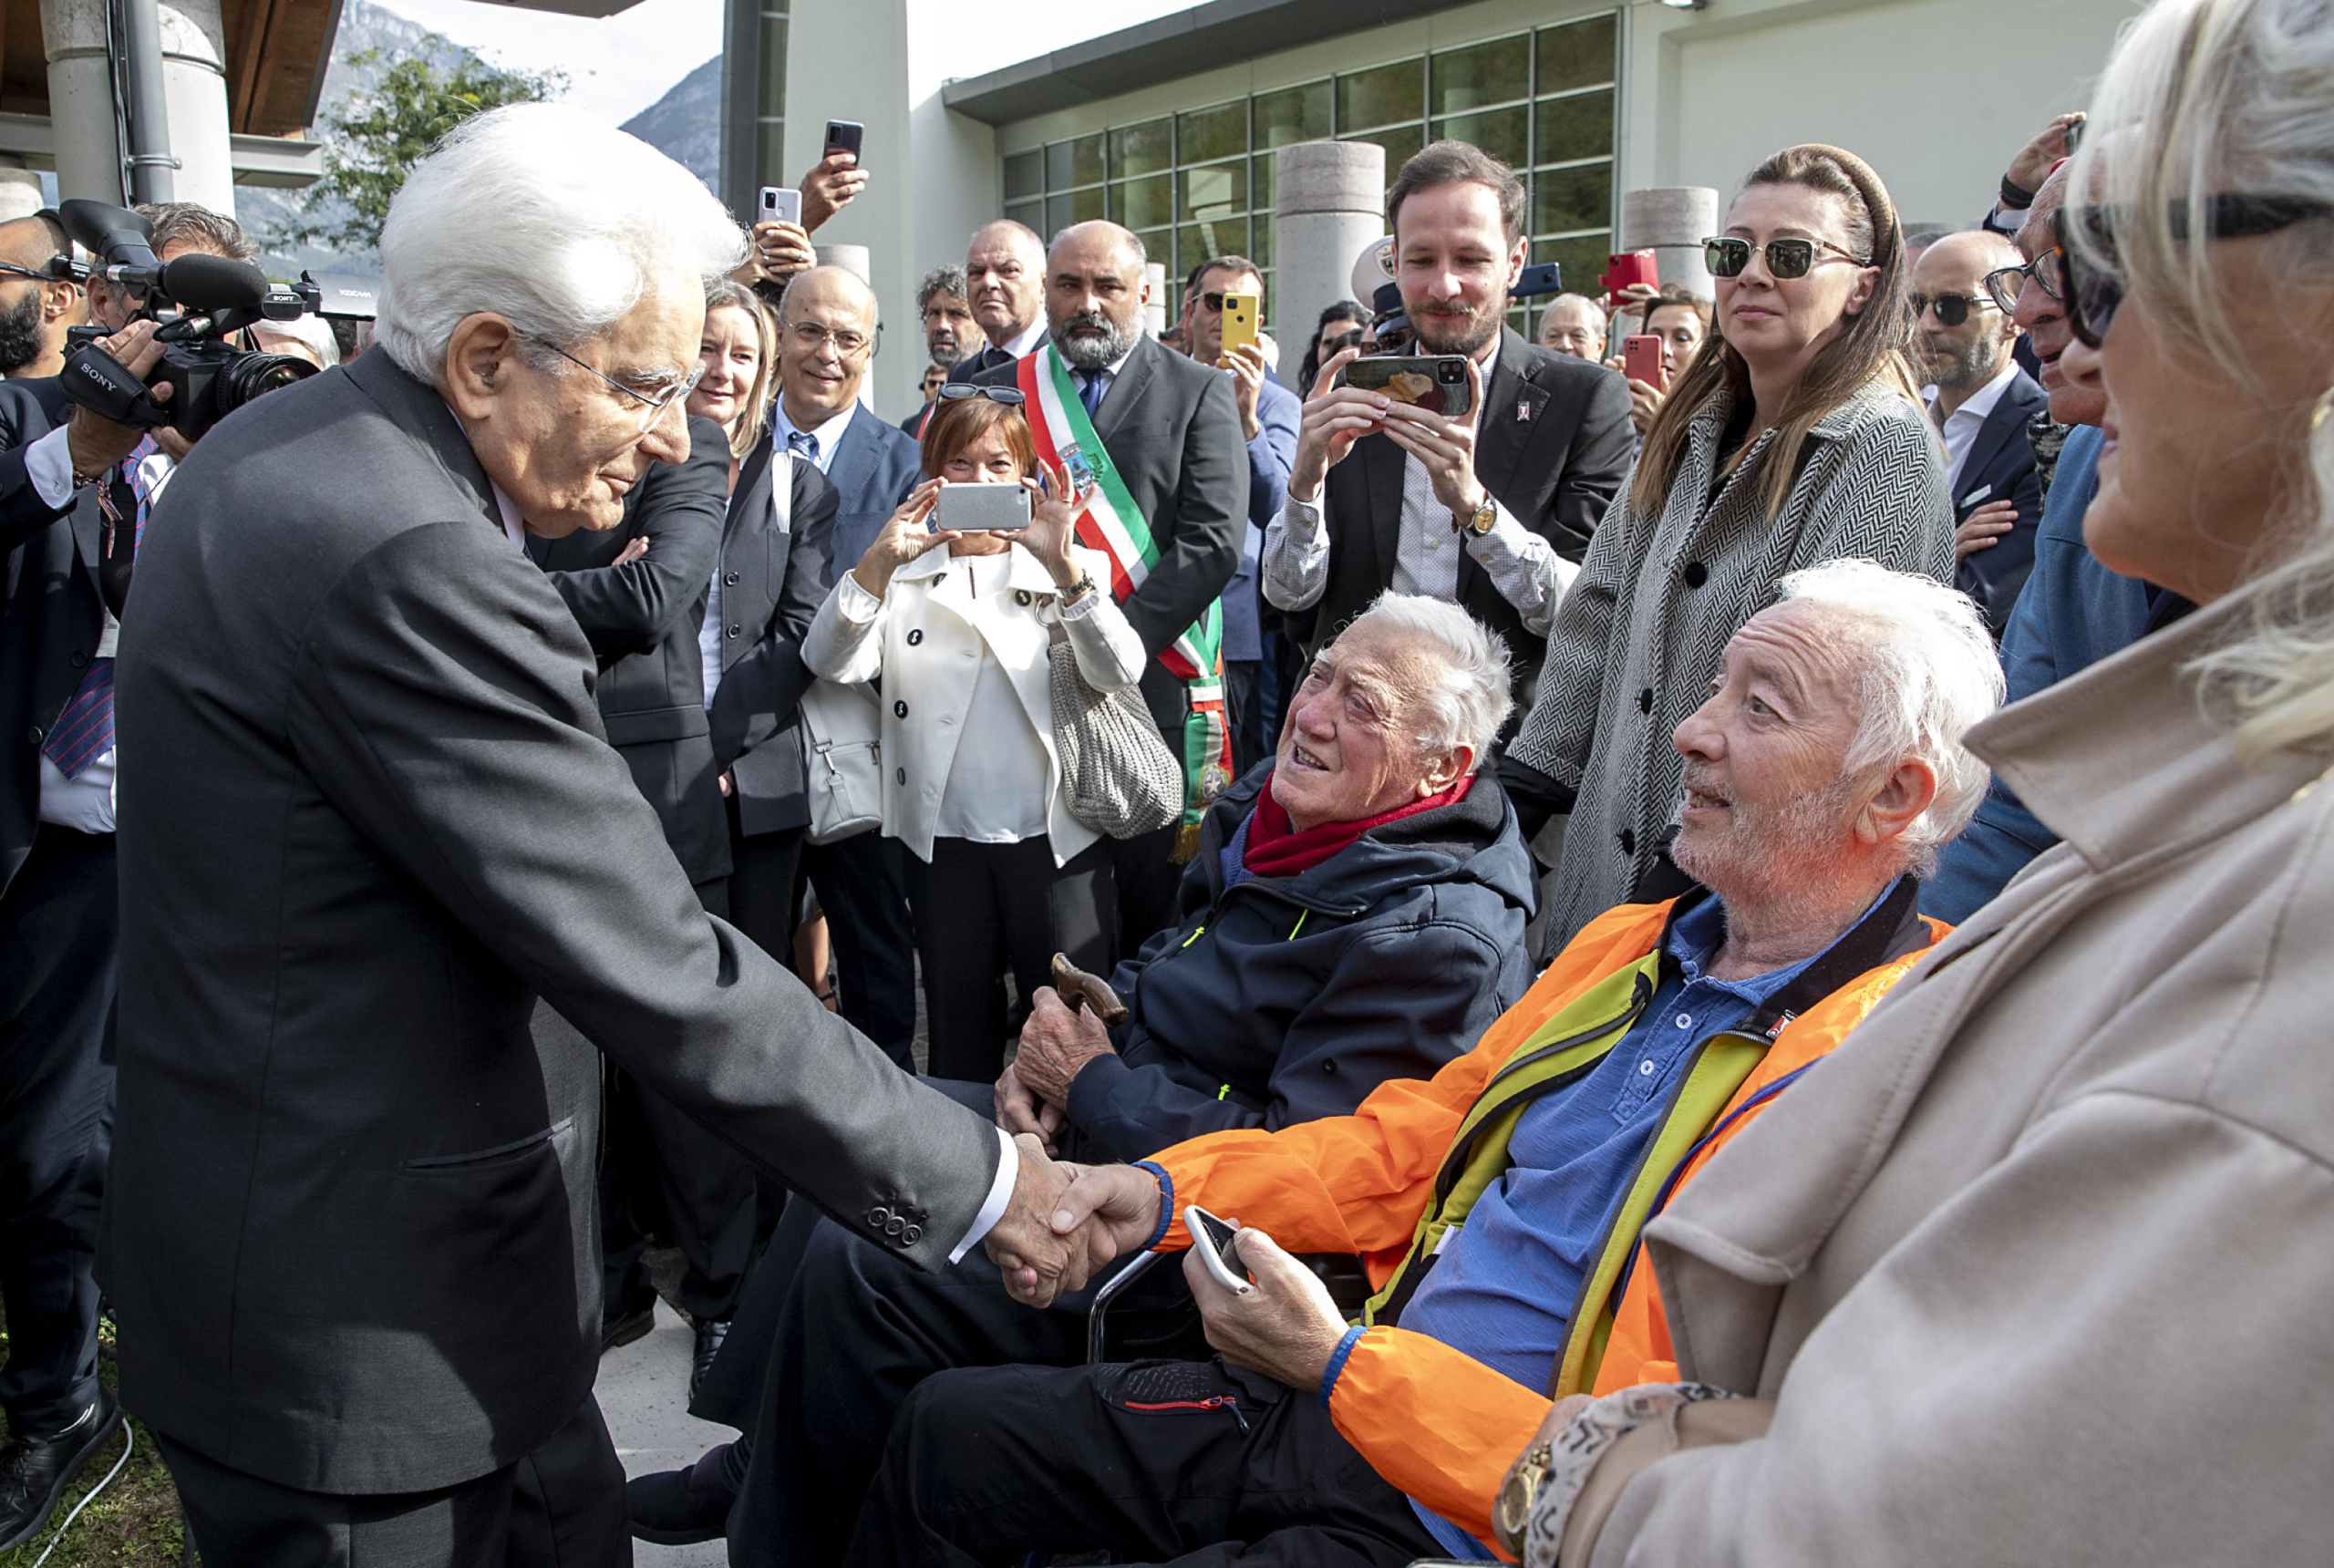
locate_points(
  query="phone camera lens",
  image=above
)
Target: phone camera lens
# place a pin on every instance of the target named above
(1452, 372)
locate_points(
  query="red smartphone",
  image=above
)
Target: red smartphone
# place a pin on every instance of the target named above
(1641, 359)
(1627, 268)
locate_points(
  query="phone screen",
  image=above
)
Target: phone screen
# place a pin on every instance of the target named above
(1211, 1239)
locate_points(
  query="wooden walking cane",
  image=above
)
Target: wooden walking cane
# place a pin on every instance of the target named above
(1077, 988)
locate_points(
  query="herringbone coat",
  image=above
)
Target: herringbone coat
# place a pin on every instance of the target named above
(1640, 635)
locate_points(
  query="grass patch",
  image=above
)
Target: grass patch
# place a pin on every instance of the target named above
(134, 1523)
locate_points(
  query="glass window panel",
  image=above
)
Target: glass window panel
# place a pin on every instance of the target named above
(1209, 133)
(1025, 175)
(1146, 149)
(1197, 242)
(1578, 55)
(1216, 192)
(1496, 72)
(1579, 198)
(1293, 114)
(1574, 127)
(1086, 160)
(1260, 182)
(1161, 245)
(1260, 241)
(1382, 97)
(1030, 213)
(1144, 203)
(1500, 132)
(1399, 143)
(1058, 166)
(1088, 204)
(1058, 217)
(771, 134)
(1581, 258)
(773, 66)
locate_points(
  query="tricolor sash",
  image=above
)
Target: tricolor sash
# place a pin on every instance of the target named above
(1111, 524)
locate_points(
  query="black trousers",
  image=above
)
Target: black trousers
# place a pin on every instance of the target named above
(862, 882)
(762, 871)
(859, 1330)
(562, 1506)
(981, 909)
(60, 921)
(1147, 876)
(1154, 1461)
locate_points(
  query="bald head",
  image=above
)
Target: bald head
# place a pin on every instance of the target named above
(826, 340)
(1005, 268)
(31, 241)
(1095, 294)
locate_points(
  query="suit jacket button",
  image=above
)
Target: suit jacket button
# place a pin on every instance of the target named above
(729, 578)
(876, 1217)
(1696, 574)
(734, 630)
(911, 1235)
(915, 638)
(899, 710)
(1628, 841)
(78, 658)
(894, 1225)
(36, 733)
(1328, 1064)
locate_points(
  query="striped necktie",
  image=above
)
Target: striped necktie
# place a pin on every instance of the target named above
(804, 442)
(84, 731)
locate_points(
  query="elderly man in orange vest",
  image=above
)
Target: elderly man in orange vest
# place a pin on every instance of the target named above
(1495, 1206)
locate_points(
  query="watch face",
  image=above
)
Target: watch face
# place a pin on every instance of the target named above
(1514, 1510)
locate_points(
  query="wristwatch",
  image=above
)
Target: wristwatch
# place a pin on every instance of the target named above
(1485, 516)
(1078, 589)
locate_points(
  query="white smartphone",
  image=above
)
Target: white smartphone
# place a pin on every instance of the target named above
(781, 205)
(981, 509)
(1210, 1236)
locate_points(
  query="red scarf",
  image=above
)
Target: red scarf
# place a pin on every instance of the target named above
(1275, 848)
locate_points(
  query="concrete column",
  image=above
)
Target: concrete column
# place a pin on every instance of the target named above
(1672, 221)
(1331, 199)
(81, 106)
(1154, 315)
(852, 259)
(19, 191)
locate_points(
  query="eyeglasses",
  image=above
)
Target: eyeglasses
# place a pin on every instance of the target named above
(2093, 290)
(52, 273)
(811, 337)
(1011, 397)
(2048, 270)
(1786, 258)
(1952, 309)
(1213, 298)
(653, 405)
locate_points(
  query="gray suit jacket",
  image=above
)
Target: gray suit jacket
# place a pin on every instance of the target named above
(350, 1222)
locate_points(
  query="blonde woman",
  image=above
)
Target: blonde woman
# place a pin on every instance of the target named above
(2036, 1267)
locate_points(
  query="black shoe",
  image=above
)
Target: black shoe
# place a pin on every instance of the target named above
(626, 1327)
(35, 1470)
(681, 1507)
(709, 1336)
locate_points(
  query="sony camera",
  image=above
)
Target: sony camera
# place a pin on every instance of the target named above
(202, 302)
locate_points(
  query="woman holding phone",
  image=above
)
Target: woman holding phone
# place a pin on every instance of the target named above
(958, 626)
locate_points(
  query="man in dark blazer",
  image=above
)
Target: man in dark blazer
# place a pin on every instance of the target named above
(1998, 502)
(819, 416)
(1492, 513)
(1172, 430)
(347, 1235)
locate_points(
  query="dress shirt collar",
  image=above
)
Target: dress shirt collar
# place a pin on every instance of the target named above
(1031, 337)
(829, 436)
(1978, 404)
(508, 511)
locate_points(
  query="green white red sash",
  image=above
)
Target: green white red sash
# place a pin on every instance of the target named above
(1111, 524)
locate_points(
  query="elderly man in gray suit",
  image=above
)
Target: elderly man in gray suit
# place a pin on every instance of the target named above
(367, 815)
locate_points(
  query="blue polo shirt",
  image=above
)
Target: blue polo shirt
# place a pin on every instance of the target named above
(1503, 1291)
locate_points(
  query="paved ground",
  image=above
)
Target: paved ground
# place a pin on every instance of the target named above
(643, 1394)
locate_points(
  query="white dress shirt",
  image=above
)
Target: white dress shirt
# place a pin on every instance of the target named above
(827, 435)
(1960, 430)
(1524, 567)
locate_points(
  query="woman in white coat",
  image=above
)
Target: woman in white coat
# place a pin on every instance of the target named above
(957, 626)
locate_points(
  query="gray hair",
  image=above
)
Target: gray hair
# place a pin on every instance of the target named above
(1929, 672)
(1596, 310)
(548, 217)
(937, 282)
(1471, 702)
(190, 223)
(2207, 98)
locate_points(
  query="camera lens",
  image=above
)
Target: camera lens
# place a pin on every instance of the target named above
(250, 375)
(1448, 371)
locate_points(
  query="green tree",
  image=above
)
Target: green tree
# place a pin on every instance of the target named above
(382, 131)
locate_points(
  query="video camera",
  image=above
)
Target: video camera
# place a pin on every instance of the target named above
(199, 300)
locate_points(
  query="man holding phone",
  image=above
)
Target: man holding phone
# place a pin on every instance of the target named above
(1492, 512)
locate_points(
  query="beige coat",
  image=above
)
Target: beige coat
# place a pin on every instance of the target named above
(2040, 1265)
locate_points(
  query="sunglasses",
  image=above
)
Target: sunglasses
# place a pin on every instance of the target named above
(1952, 309)
(2094, 289)
(1786, 258)
(1011, 397)
(2048, 270)
(1214, 299)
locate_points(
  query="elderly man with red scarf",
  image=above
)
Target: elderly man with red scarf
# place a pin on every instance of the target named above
(1355, 914)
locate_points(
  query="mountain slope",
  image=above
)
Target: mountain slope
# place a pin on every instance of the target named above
(685, 125)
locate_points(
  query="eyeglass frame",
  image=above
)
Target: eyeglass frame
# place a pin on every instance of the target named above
(1921, 304)
(2231, 215)
(828, 334)
(655, 407)
(2022, 272)
(10, 269)
(1766, 249)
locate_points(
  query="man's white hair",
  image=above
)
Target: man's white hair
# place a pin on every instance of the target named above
(1467, 706)
(1929, 672)
(548, 217)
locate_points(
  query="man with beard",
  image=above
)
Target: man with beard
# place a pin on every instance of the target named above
(1495, 1205)
(950, 335)
(1005, 268)
(36, 305)
(1980, 402)
(1170, 427)
(1492, 512)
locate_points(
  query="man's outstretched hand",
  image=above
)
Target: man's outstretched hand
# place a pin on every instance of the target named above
(1038, 1262)
(1105, 1212)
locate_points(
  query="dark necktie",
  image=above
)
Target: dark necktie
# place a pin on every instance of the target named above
(1090, 392)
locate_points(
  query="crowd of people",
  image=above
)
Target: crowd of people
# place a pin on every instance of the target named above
(1544, 909)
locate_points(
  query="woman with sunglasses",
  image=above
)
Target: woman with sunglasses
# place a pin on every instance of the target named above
(1794, 436)
(959, 626)
(2036, 1268)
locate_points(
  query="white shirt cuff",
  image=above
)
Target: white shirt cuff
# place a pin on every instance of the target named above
(48, 463)
(853, 602)
(1000, 1193)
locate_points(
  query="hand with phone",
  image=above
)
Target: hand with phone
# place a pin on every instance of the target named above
(833, 184)
(2034, 162)
(1336, 415)
(1054, 506)
(1644, 364)
(780, 251)
(1264, 1312)
(903, 538)
(1445, 447)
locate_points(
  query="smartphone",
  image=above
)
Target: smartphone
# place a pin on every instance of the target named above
(1625, 268)
(981, 509)
(1239, 321)
(781, 205)
(846, 136)
(1544, 278)
(1210, 1237)
(1641, 359)
(2072, 138)
(1434, 382)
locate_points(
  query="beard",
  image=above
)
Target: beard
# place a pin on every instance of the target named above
(22, 341)
(1959, 365)
(1463, 330)
(946, 353)
(1090, 340)
(1773, 855)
